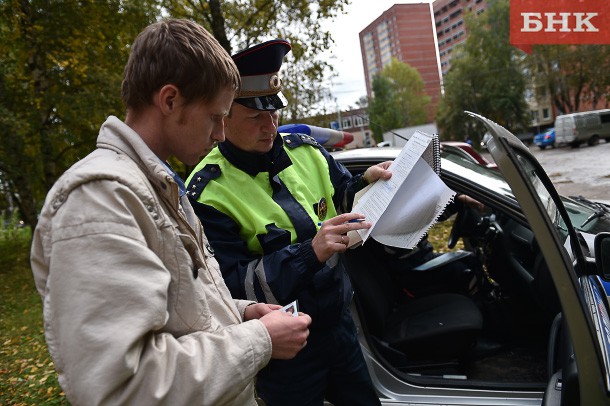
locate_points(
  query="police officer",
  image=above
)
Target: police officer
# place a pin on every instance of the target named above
(269, 204)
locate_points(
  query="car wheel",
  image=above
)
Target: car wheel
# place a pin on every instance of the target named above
(542, 146)
(594, 140)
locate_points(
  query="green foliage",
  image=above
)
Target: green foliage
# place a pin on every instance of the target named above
(239, 24)
(572, 75)
(438, 235)
(60, 76)
(486, 77)
(62, 64)
(399, 99)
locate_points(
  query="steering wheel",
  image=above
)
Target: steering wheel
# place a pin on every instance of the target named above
(456, 229)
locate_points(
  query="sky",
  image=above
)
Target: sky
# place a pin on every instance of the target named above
(345, 55)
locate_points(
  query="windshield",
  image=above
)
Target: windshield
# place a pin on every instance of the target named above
(588, 216)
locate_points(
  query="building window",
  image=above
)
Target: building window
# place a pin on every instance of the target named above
(545, 113)
(534, 114)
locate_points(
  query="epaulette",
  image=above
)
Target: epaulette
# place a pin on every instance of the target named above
(294, 140)
(200, 180)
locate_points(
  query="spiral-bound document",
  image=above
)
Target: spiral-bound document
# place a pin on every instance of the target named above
(404, 207)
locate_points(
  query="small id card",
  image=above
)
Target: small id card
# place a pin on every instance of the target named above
(291, 308)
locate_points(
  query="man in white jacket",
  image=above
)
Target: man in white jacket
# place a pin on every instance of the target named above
(135, 308)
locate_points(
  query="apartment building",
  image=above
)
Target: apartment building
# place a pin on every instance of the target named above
(422, 35)
(451, 27)
(405, 32)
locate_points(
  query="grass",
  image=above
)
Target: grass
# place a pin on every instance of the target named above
(27, 375)
(439, 235)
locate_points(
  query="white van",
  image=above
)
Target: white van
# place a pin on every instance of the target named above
(578, 128)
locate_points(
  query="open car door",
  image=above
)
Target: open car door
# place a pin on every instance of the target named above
(580, 362)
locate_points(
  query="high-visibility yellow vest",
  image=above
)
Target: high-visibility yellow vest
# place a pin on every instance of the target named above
(248, 200)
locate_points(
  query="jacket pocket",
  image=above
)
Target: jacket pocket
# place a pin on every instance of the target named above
(190, 299)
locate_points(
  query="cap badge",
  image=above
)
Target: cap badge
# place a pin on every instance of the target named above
(275, 83)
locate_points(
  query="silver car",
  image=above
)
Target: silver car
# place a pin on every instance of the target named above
(539, 331)
(585, 127)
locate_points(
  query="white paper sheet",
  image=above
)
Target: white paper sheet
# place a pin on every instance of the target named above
(403, 208)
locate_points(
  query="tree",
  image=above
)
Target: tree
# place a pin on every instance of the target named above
(362, 102)
(60, 76)
(486, 77)
(62, 65)
(240, 24)
(398, 99)
(572, 75)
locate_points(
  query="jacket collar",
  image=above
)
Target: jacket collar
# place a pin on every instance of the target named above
(118, 136)
(252, 163)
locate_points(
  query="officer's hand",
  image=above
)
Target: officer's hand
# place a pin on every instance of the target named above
(376, 172)
(472, 203)
(332, 236)
(288, 333)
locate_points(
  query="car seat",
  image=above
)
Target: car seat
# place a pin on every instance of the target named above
(426, 330)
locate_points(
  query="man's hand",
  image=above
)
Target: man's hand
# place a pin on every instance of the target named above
(376, 172)
(288, 333)
(258, 310)
(332, 236)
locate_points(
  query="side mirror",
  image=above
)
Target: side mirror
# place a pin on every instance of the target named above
(602, 254)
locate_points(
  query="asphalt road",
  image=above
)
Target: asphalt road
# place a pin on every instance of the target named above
(583, 171)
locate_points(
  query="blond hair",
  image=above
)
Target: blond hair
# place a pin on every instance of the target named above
(179, 52)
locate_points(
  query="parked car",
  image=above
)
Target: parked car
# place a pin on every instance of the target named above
(577, 128)
(545, 139)
(540, 331)
(465, 149)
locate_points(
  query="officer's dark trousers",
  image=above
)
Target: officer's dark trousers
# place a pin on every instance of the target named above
(331, 367)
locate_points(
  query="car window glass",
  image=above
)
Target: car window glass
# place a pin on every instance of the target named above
(542, 192)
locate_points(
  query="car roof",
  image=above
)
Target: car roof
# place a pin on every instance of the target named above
(466, 168)
(366, 154)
